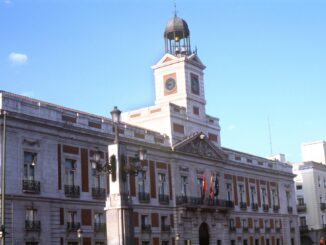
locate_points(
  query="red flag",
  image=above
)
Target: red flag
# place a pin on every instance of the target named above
(204, 185)
(211, 193)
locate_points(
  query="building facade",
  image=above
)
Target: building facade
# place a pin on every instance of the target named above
(189, 189)
(311, 193)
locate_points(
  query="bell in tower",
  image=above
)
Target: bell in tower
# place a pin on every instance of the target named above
(177, 37)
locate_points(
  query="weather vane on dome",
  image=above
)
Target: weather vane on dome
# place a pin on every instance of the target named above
(175, 8)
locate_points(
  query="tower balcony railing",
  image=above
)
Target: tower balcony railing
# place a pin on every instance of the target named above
(73, 226)
(163, 199)
(72, 191)
(32, 225)
(98, 193)
(276, 208)
(254, 207)
(203, 202)
(99, 227)
(146, 228)
(265, 207)
(143, 197)
(31, 186)
(165, 228)
(302, 207)
(322, 206)
(243, 205)
(303, 228)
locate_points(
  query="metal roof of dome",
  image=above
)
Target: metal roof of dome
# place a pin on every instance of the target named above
(176, 27)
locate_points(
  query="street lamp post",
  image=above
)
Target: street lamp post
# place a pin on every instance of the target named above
(3, 179)
(80, 235)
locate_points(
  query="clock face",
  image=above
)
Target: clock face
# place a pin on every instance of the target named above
(170, 84)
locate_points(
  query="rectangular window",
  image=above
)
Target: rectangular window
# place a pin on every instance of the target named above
(99, 218)
(212, 137)
(144, 220)
(300, 201)
(29, 165)
(195, 110)
(253, 193)
(194, 84)
(288, 198)
(72, 217)
(299, 187)
(219, 242)
(241, 193)
(70, 168)
(232, 242)
(229, 191)
(245, 242)
(142, 181)
(162, 182)
(303, 221)
(30, 215)
(256, 241)
(200, 187)
(184, 183)
(267, 241)
(263, 194)
(274, 197)
(178, 128)
(165, 242)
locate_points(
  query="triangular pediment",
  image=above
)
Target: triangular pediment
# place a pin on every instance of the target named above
(198, 145)
(194, 58)
(166, 58)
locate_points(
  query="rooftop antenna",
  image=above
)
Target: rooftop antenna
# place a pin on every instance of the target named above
(270, 136)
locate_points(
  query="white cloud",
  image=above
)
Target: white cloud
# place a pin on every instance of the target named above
(27, 93)
(231, 127)
(8, 2)
(18, 58)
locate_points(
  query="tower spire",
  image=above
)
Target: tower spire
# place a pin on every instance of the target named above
(175, 8)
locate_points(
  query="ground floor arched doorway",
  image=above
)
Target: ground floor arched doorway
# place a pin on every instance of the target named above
(203, 234)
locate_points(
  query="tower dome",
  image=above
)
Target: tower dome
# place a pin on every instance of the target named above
(177, 37)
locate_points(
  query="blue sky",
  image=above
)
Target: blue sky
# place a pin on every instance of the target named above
(265, 59)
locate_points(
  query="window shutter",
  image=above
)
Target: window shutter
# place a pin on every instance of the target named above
(152, 180)
(237, 222)
(172, 220)
(62, 216)
(135, 219)
(132, 185)
(156, 241)
(86, 217)
(87, 241)
(84, 170)
(136, 240)
(155, 220)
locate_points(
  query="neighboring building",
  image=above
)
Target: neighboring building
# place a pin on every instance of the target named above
(190, 190)
(311, 193)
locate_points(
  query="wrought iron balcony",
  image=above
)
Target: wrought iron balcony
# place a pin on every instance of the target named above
(257, 230)
(254, 206)
(276, 208)
(72, 191)
(165, 228)
(265, 207)
(302, 207)
(163, 199)
(245, 229)
(303, 228)
(32, 225)
(143, 197)
(73, 226)
(243, 205)
(232, 228)
(31, 186)
(98, 193)
(267, 229)
(146, 228)
(99, 227)
(278, 229)
(322, 206)
(202, 202)
(290, 209)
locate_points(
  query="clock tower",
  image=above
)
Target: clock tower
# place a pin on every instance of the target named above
(179, 77)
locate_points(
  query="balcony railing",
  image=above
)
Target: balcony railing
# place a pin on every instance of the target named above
(143, 197)
(32, 225)
(276, 208)
(245, 229)
(290, 209)
(243, 205)
(31, 186)
(267, 229)
(198, 201)
(73, 226)
(257, 230)
(322, 206)
(303, 228)
(165, 228)
(265, 207)
(98, 193)
(72, 191)
(232, 228)
(301, 208)
(163, 199)
(146, 228)
(100, 227)
(278, 229)
(254, 206)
